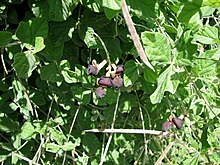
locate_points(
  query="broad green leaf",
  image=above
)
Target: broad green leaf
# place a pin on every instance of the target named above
(28, 31)
(69, 146)
(51, 72)
(150, 75)
(131, 73)
(8, 107)
(8, 125)
(54, 10)
(88, 35)
(206, 64)
(109, 13)
(57, 136)
(93, 5)
(157, 46)
(113, 46)
(207, 35)
(188, 10)
(62, 31)
(39, 44)
(207, 10)
(164, 83)
(27, 131)
(213, 3)
(91, 143)
(38, 98)
(112, 4)
(52, 147)
(127, 102)
(144, 9)
(5, 38)
(204, 137)
(53, 52)
(81, 95)
(93, 20)
(24, 64)
(193, 160)
(78, 75)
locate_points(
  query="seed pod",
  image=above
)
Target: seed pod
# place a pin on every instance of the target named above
(119, 69)
(117, 82)
(105, 81)
(177, 122)
(92, 70)
(167, 125)
(100, 92)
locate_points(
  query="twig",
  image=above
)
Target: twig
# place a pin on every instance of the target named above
(163, 155)
(71, 128)
(134, 35)
(112, 127)
(105, 49)
(143, 126)
(3, 62)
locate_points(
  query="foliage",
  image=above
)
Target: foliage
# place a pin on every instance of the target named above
(47, 99)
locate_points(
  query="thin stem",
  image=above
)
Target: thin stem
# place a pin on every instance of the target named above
(143, 126)
(104, 47)
(70, 131)
(51, 103)
(112, 127)
(3, 62)
(165, 152)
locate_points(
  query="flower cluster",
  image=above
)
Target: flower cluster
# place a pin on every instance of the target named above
(112, 79)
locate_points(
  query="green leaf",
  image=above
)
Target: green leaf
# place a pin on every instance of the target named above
(204, 137)
(131, 73)
(28, 31)
(27, 131)
(52, 147)
(81, 95)
(69, 146)
(62, 31)
(93, 5)
(51, 72)
(206, 64)
(113, 46)
(5, 38)
(127, 102)
(189, 9)
(193, 160)
(78, 75)
(8, 125)
(150, 75)
(157, 46)
(109, 13)
(213, 3)
(24, 64)
(164, 84)
(144, 9)
(39, 44)
(112, 4)
(53, 52)
(88, 35)
(54, 10)
(207, 35)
